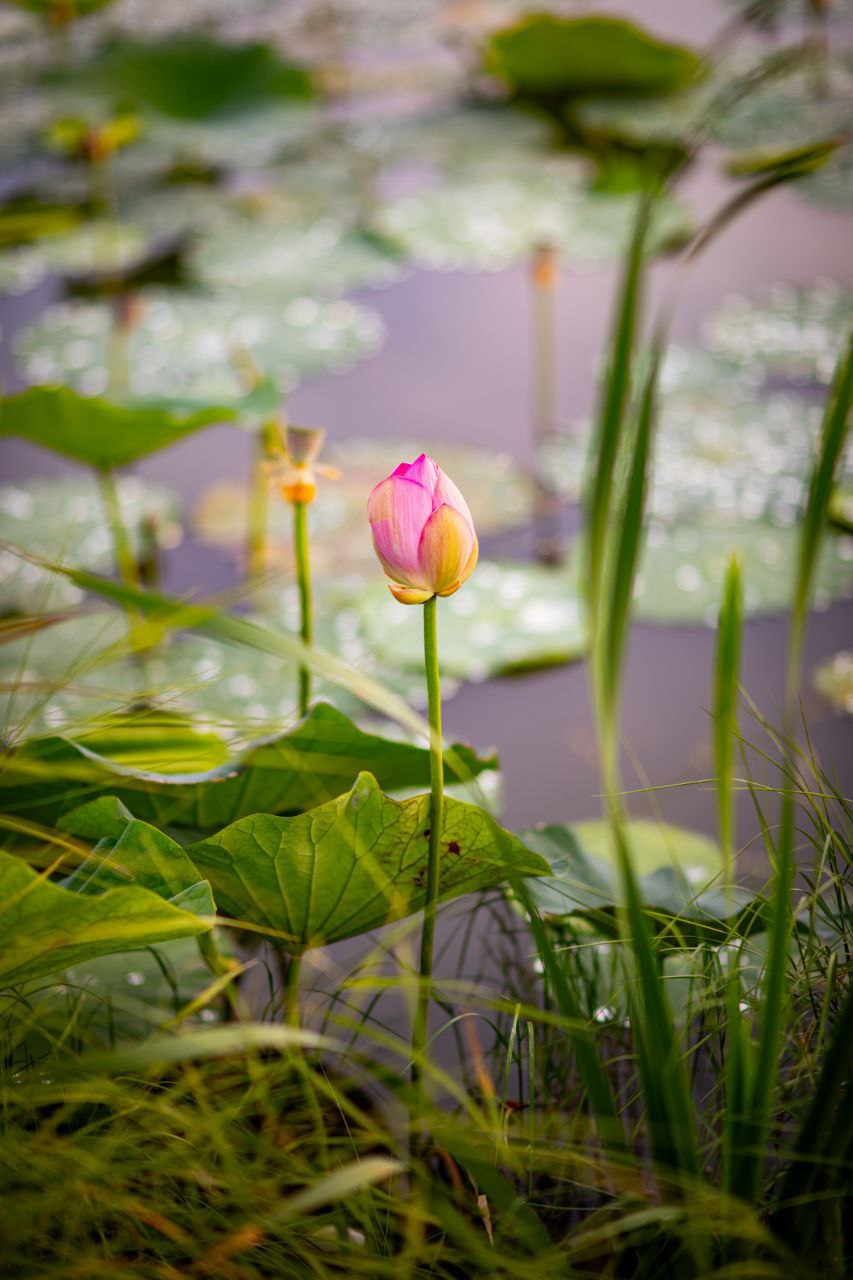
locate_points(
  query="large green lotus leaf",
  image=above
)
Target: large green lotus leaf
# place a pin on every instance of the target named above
(193, 77)
(483, 220)
(321, 259)
(795, 332)
(296, 771)
(198, 345)
(683, 567)
(62, 518)
(95, 431)
(507, 618)
(125, 850)
(834, 681)
(547, 55)
(45, 927)
(352, 865)
(675, 869)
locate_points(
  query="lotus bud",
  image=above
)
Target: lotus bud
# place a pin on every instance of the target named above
(422, 532)
(302, 448)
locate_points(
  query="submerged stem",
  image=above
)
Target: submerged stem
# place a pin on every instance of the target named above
(303, 573)
(436, 823)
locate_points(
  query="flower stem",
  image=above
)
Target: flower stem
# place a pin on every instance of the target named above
(436, 824)
(303, 573)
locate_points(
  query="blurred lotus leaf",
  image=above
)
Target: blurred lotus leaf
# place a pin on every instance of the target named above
(100, 434)
(495, 487)
(93, 250)
(794, 333)
(545, 55)
(319, 259)
(484, 220)
(193, 77)
(683, 566)
(203, 348)
(508, 618)
(674, 868)
(63, 518)
(169, 770)
(834, 681)
(721, 452)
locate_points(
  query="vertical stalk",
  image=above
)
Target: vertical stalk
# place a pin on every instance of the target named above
(543, 275)
(256, 551)
(292, 970)
(303, 574)
(436, 824)
(125, 560)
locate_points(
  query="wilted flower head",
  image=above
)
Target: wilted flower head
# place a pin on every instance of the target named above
(302, 449)
(422, 532)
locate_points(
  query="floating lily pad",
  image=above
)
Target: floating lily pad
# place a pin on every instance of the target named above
(94, 249)
(66, 674)
(674, 867)
(834, 681)
(293, 771)
(282, 261)
(486, 221)
(497, 491)
(194, 77)
(192, 344)
(720, 453)
(795, 333)
(546, 55)
(683, 567)
(63, 518)
(256, 138)
(507, 618)
(805, 99)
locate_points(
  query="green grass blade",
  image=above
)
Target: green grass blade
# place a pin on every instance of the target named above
(616, 394)
(726, 676)
(836, 420)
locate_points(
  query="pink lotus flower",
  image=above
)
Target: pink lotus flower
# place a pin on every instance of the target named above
(422, 532)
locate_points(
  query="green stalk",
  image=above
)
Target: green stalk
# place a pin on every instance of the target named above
(292, 970)
(748, 1174)
(436, 823)
(726, 674)
(303, 574)
(125, 560)
(544, 402)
